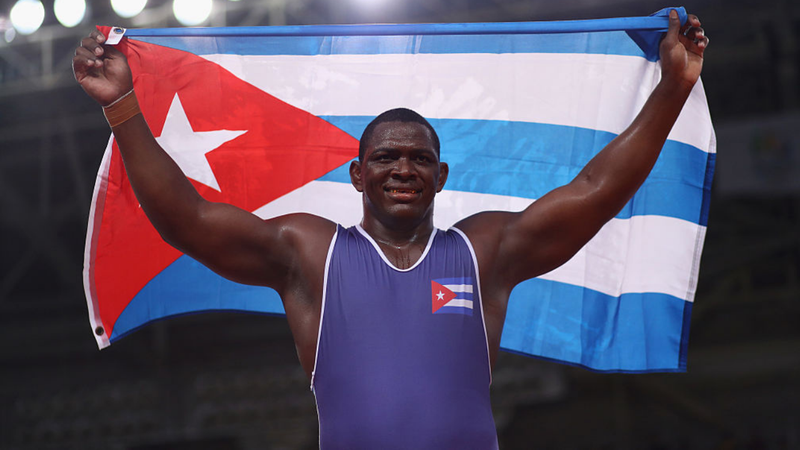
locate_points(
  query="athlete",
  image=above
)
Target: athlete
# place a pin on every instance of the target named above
(386, 371)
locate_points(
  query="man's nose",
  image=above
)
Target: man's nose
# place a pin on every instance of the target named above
(404, 168)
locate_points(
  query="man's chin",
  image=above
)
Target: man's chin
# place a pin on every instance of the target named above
(405, 213)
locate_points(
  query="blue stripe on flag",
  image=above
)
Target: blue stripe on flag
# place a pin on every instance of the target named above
(454, 310)
(647, 334)
(712, 162)
(187, 286)
(535, 158)
(444, 281)
(601, 36)
(656, 22)
(606, 43)
(650, 330)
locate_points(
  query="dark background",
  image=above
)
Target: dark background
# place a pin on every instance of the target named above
(232, 381)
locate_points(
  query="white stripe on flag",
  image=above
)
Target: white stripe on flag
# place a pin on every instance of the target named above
(459, 287)
(479, 86)
(460, 303)
(640, 254)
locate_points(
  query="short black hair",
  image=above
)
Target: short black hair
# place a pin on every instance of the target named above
(395, 115)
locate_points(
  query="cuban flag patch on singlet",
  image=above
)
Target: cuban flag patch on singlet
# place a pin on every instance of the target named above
(452, 296)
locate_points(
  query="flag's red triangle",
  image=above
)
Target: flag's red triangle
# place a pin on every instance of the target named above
(283, 149)
(440, 295)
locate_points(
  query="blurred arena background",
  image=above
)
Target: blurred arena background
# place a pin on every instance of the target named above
(232, 381)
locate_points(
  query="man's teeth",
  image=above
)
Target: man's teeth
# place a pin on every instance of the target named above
(403, 191)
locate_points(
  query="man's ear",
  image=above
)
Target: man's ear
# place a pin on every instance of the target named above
(355, 175)
(444, 170)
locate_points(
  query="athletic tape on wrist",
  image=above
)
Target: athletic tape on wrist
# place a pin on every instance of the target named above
(122, 109)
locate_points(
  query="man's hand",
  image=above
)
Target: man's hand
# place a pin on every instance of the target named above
(101, 70)
(682, 50)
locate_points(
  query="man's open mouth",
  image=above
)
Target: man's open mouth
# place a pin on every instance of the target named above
(404, 191)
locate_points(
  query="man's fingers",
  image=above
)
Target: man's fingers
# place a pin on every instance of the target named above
(695, 39)
(83, 59)
(82, 64)
(692, 30)
(94, 42)
(92, 52)
(91, 44)
(694, 34)
(97, 36)
(83, 54)
(702, 44)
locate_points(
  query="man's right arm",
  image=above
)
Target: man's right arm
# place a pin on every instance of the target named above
(234, 243)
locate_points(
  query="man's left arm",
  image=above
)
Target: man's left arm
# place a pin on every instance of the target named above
(513, 247)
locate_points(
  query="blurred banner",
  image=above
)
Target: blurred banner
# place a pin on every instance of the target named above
(761, 155)
(268, 118)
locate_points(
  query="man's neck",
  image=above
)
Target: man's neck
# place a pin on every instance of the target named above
(398, 236)
(403, 246)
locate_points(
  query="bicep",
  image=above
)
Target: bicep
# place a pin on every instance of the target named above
(515, 246)
(242, 247)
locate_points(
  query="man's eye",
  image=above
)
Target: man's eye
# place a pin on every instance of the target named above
(423, 159)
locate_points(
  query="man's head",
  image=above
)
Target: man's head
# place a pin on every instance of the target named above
(398, 171)
(395, 115)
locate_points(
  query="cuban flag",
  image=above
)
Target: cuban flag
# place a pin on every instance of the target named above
(452, 296)
(268, 119)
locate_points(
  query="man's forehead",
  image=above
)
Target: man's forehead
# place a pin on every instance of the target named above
(400, 133)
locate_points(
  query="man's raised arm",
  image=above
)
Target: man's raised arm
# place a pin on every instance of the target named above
(513, 247)
(232, 242)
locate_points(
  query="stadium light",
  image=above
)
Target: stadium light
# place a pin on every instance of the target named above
(7, 29)
(70, 12)
(191, 12)
(27, 16)
(128, 8)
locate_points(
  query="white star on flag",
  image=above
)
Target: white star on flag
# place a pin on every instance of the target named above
(188, 148)
(440, 295)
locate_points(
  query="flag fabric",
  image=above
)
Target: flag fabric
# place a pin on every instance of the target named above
(268, 118)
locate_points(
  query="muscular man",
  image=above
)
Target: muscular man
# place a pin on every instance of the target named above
(387, 370)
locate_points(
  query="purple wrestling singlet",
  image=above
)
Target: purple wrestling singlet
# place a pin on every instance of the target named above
(402, 358)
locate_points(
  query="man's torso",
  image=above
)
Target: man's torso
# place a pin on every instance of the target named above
(402, 357)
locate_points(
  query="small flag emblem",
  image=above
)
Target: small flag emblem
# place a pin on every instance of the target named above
(452, 296)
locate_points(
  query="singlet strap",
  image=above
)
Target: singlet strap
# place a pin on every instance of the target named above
(322, 303)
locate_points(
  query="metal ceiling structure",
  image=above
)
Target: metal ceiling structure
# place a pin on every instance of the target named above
(232, 381)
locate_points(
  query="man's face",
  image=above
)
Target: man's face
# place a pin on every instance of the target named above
(400, 173)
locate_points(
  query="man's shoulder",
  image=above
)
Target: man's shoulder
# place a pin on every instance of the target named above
(484, 227)
(304, 230)
(486, 232)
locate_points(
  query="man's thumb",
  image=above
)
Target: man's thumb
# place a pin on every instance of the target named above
(674, 22)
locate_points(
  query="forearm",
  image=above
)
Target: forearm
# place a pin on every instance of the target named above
(617, 172)
(552, 229)
(614, 175)
(167, 197)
